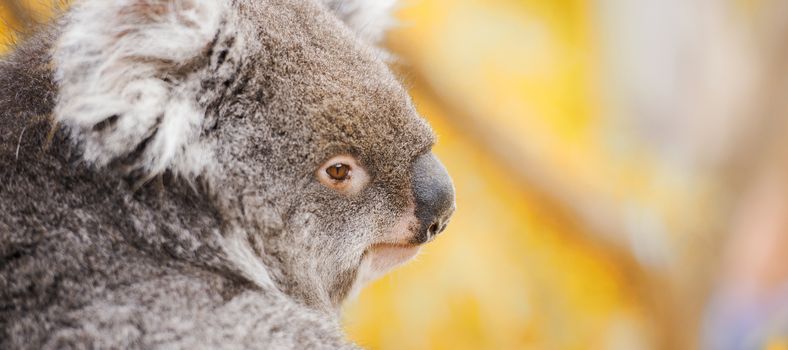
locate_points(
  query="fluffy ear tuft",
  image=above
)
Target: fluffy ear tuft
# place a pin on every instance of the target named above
(368, 18)
(123, 69)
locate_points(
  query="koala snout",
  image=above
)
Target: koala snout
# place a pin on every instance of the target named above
(433, 192)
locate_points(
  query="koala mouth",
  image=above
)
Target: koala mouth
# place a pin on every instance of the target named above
(381, 258)
(395, 253)
(397, 246)
(394, 246)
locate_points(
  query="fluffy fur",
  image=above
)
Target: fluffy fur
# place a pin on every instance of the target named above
(369, 19)
(126, 80)
(157, 184)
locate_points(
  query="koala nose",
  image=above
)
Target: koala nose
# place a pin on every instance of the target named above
(434, 195)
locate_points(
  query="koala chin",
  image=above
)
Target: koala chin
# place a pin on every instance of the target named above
(206, 174)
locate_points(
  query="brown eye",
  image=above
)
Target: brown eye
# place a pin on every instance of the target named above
(343, 173)
(338, 171)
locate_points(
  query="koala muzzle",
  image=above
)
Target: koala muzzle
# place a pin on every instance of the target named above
(434, 195)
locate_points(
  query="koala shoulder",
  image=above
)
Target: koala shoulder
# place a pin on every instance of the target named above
(176, 312)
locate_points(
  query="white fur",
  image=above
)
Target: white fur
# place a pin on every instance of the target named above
(368, 18)
(116, 66)
(239, 252)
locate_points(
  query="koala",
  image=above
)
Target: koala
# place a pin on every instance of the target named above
(206, 174)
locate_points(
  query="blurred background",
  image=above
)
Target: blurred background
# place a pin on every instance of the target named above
(621, 169)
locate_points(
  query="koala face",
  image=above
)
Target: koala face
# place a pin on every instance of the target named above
(311, 147)
(344, 169)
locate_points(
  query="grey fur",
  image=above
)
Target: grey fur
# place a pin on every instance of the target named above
(105, 250)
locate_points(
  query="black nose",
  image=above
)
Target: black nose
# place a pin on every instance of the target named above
(434, 195)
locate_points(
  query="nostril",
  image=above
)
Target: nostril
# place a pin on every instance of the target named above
(434, 229)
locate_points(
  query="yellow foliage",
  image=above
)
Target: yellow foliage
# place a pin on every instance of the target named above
(38, 11)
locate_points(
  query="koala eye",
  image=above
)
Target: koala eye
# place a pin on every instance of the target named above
(338, 171)
(344, 174)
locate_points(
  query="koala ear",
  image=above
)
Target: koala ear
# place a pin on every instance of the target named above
(125, 71)
(368, 18)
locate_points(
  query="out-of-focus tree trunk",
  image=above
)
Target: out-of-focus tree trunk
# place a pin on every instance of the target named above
(704, 83)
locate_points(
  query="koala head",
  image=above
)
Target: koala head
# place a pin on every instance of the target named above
(311, 148)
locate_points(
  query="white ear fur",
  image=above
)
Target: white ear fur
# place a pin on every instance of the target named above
(120, 94)
(368, 18)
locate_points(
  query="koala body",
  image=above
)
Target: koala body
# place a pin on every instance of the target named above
(205, 173)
